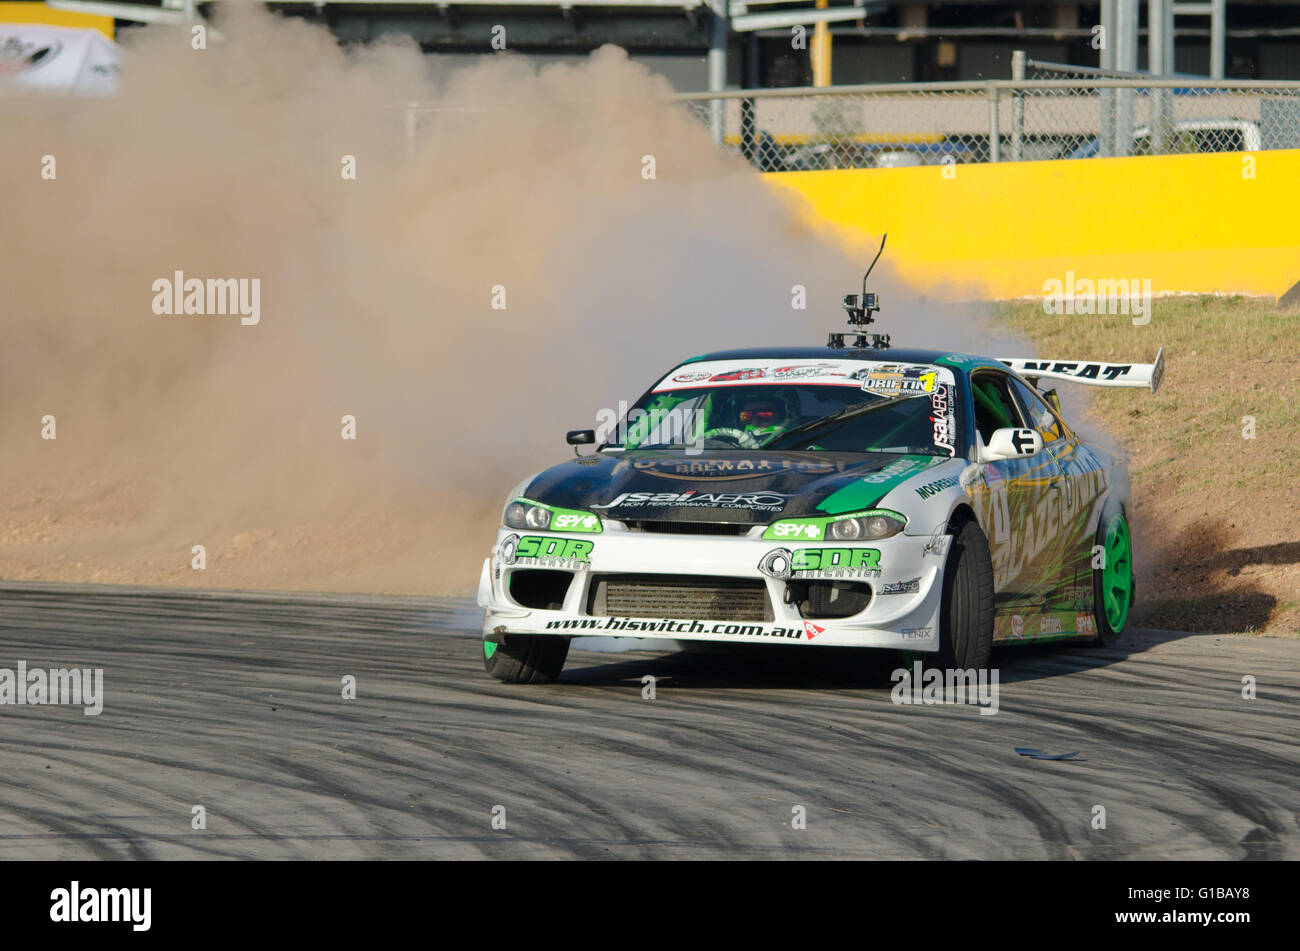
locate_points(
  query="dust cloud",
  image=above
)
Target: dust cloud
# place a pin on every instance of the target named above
(376, 301)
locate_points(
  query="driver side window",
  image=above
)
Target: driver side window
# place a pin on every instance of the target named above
(994, 408)
(1038, 413)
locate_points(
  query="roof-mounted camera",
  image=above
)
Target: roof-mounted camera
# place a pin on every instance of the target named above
(860, 307)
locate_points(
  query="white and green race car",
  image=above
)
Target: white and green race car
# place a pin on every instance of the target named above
(856, 497)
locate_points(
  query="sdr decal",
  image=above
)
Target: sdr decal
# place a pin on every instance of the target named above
(821, 563)
(546, 552)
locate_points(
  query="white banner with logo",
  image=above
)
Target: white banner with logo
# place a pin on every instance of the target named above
(57, 59)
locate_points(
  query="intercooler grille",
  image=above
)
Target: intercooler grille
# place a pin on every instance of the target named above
(688, 528)
(680, 596)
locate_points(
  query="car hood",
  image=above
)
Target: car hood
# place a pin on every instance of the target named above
(737, 486)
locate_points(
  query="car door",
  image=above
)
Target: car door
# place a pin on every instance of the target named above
(1017, 501)
(1082, 484)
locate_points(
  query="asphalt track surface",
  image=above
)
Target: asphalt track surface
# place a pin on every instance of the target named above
(233, 702)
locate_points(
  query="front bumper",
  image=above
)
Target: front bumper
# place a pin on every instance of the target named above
(908, 619)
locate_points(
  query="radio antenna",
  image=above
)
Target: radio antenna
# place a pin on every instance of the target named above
(860, 309)
(870, 267)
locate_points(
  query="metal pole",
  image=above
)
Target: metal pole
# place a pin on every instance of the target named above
(1156, 37)
(1126, 44)
(1126, 35)
(1159, 23)
(747, 118)
(1106, 121)
(821, 49)
(1218, 28)
(995, 131)
(1017, 107)
(717, 61)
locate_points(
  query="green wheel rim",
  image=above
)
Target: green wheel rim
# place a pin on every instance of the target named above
(489, 648)
(1117, 574)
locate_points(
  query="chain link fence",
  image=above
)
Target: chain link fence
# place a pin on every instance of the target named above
(1056, 112)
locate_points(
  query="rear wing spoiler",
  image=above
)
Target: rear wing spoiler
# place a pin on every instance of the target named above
(1091, 373)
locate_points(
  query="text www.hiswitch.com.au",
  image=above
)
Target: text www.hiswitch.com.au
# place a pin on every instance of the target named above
(670, 626)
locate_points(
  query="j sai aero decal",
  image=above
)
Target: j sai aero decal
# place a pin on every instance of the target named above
(755, 501)
(821, 563)
(541, 551)
(945, 425)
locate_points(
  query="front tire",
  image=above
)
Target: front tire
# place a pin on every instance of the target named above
(525, 658)
(1113, 586)
(966, 614)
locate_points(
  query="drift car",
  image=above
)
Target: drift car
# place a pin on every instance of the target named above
(850, 496)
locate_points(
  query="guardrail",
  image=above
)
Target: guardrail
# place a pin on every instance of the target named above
(998, 120)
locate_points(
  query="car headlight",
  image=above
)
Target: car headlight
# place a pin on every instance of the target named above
(869, 527)
(861, 526)
(523, 515)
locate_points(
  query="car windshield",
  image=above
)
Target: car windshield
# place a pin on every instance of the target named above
(901, 424)
(847, 406)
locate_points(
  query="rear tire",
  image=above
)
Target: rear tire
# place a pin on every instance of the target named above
(1113, 587)
(525, 658)
(966, 614)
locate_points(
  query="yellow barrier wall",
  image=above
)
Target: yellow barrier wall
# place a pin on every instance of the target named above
(1197, 223)
(28, 12)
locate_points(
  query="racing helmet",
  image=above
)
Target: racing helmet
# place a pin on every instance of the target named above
(761, 409)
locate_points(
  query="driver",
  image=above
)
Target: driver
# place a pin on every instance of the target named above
(753, 419)
(761, 416)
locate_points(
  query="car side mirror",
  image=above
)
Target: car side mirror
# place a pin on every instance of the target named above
(1012, 444)
(580, 437)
